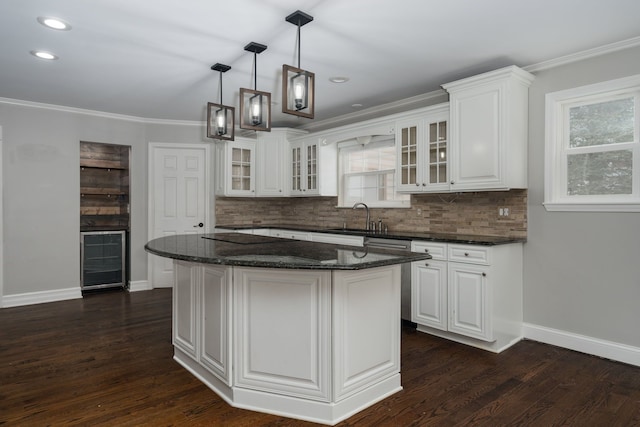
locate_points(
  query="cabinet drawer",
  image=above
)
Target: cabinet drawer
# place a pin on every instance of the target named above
(436, 250)
(470, 254)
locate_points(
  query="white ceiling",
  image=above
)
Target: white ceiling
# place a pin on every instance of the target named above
(152, 58)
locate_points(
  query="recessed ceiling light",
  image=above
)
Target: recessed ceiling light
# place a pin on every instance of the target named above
(43, 55)
(356, 105)
(338, 79)
(54, 23)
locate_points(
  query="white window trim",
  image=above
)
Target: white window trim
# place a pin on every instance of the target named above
(342, 203)
(555, 198)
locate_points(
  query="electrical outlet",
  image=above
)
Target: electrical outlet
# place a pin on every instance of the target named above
(419, 212)
(503, 212)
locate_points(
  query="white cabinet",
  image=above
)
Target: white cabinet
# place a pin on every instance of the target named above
(313, 170)
(429, 286)
(468, 301)
(202, 316)
(469, 293)
(272, 164)
(488, 130)
(235, 168)
(421, 142)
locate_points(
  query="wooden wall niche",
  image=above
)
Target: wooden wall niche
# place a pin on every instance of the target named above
(104, 186)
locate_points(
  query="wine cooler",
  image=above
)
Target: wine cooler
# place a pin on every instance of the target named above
(103, 259)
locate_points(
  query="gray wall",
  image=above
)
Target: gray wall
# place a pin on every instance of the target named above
(582, 270)
(41, 191)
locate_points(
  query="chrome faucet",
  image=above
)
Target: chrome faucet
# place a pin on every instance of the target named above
(355, 206)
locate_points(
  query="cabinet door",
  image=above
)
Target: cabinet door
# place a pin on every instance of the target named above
(476, 138)
(270, 167)
(311, 169)
(436, 165)
(185, 325)
(241, 172)
(297, 187)
(469, 301)
(429, 293)
(409, 163)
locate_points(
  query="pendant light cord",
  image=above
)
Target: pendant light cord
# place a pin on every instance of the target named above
(298, 44)
(220, 87)
(255, 70)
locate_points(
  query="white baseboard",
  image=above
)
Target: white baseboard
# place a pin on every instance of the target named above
(584, 344)
(41, 297)
(139, 285)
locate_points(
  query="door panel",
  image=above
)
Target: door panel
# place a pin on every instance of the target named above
(178, 190)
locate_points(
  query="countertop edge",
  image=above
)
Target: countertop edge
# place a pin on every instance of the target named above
(434, 237)
(408, 257)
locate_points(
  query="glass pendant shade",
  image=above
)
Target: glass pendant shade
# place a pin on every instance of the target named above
(255, 110)
(297, 90)
(220, 121)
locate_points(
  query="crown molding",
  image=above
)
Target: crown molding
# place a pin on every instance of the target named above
(101, 114)
(402, 105)
(582, 55)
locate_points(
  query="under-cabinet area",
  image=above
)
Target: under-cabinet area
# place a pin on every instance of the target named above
(104, 215)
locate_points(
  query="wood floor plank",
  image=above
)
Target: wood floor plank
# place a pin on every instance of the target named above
(106, 360)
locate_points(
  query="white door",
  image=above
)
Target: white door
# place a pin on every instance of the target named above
(179, 201)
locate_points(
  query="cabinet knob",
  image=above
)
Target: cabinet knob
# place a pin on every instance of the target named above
(417, 185)
(199, 225)
(453, 182)
(484, 274)
(466, 254)
(424, 185)
(426, 250)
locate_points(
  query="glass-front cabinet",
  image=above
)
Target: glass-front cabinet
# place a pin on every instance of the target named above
(235, 168)
(421, 141)
(304, 168)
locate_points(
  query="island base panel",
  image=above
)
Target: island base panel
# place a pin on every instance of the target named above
(303, 409)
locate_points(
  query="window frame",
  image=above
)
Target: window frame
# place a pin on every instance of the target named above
(557, 151)
(342, 174)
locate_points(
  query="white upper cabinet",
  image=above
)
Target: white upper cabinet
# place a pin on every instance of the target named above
(235, 168)
(488, 130)
(421, 142)
(271, 164)
(313, 170)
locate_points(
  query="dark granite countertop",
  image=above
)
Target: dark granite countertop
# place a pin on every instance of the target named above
(399, 235)
(272, 252)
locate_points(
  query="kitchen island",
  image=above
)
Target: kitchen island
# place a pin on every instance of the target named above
(300, 329)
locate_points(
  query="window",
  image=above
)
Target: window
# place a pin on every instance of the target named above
(367, 174)
(592, 159)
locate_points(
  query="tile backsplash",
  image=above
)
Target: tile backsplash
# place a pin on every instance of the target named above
(460, 213)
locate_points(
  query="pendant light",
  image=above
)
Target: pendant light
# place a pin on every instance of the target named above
(255, 106)
(297, 84)
(220, 118)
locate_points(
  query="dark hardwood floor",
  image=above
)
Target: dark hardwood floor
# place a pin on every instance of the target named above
(106, 359)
